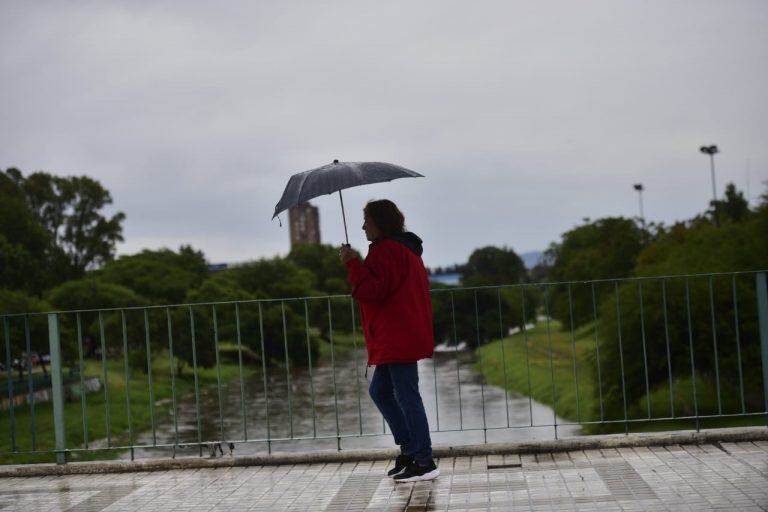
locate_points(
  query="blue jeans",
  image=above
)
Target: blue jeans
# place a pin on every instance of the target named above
(395, 391)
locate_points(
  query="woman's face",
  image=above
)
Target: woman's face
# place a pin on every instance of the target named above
(372, 232)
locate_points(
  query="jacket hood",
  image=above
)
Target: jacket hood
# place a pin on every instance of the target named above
(410, 240)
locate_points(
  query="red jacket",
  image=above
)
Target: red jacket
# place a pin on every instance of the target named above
(392, 288)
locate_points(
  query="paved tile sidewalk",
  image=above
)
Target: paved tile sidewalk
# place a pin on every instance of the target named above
(728, 476)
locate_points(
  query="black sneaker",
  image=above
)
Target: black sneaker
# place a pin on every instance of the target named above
(416, 473)
(401, 462)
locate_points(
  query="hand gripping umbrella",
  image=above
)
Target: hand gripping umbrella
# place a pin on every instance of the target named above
(334, 178)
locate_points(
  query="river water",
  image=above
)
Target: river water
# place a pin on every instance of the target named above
(457, 401)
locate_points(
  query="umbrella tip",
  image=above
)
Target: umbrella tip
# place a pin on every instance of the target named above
(335, 161)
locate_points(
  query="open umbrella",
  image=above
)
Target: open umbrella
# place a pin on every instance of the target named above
(334, 178)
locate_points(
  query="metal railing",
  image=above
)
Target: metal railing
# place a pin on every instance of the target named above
(600, 354)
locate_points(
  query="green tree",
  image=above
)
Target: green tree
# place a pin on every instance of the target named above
(15, 302)
(275, 278)
(323, 262)
(603, 249)
(476, 316)
(220, 287)
(732, 208)
(92, 294)
(272, 279)
(699, 247)
(690, 248)
(18, 269)
(70, 210)
(24, 243)
(493, 266)
(330, 278)
(162, 276)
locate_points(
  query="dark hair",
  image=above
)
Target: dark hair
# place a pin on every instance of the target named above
(387, 217)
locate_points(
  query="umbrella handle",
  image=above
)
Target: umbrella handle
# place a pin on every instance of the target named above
(344, 217)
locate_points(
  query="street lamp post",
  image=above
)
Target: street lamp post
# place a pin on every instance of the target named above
(712, 151)
(639, 188)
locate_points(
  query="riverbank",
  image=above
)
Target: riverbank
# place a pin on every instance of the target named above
(342, 342)
(92, 427)
(522, 364)
(558, 369)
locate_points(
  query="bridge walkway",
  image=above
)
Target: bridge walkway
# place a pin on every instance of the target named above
(711, 476)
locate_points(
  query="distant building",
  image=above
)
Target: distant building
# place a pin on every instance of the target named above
(305, 224)
(453, 278)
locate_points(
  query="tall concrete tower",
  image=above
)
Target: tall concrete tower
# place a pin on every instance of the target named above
(305, 224)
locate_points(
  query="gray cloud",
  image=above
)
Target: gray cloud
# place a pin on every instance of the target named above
(525, 117)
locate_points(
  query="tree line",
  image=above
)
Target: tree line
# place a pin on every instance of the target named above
(57, 252)
(659, 337)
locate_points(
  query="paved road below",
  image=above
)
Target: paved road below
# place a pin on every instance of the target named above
(727, 476)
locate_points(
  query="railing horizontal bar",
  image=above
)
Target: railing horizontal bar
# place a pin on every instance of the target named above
(667, 418)
(369, 434)
(606, 280)
(435, 290)
(191, 304)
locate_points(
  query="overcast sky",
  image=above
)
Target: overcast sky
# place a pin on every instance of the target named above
(524, 116)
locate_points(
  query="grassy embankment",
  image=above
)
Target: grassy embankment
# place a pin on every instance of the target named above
(542, 381)
(96, 407)
(509, 367)
(342, 342)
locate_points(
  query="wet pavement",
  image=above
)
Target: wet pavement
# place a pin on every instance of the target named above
(718, 476)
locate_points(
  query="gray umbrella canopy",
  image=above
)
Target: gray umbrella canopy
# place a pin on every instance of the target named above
(334, 178)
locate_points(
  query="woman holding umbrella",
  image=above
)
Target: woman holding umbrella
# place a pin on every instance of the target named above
(392, 288)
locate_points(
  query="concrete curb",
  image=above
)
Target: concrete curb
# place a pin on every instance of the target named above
(729, 435)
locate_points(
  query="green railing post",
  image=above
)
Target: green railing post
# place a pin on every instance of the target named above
(9, 372)
(58, 388)
(762, 314)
